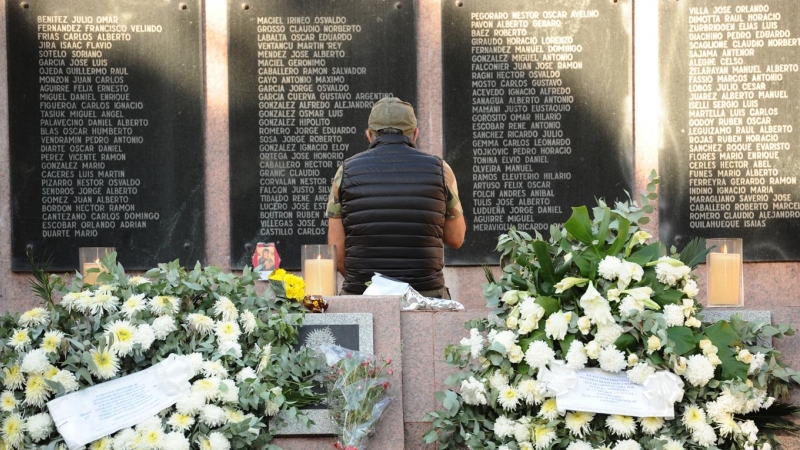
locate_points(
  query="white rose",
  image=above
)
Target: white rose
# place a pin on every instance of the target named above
(633, 359)
(680, 365)
(512, 322)
(584, 324)
(528, 325)
(511, 298)
(745, 356)
(593, 349)
(515, 354)
(693, 322)
(653, 344)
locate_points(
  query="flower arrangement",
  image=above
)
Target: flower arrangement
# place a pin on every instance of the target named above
(240, 346)
(287, 285)
(356, 394)
(597, 294)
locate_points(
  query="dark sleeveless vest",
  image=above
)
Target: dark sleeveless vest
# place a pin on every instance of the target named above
(393, 206)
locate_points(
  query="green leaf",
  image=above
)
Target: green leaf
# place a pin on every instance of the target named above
(625, 341)
(722, 334)
(683, 339)
(622, 237)
(580, 225)
(644, 255)
(694, 253)
(542, 252)
(549, 304)
(566, 342)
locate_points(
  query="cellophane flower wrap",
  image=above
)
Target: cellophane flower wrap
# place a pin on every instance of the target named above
(240, 344)
(595, 294)
(357, 386)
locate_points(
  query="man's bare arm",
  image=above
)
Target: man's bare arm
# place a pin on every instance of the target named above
(336, 237)
(454, 230)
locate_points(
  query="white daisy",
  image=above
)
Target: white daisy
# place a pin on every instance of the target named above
(651, 425)
(181, 422)
(508, 398)
(248, 321)
(224, 307)
(8, 402)
(227, 331)
(35, 317)
(124, 336)
(578, 422)
(52, 340)
(133, 304)
(163, 305)
(137, 281)
(214, 369)
(19, 339)
(622, 426)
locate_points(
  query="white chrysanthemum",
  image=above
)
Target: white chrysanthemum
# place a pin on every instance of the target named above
(593, 349)
(627, 444)
(690, 289)
(528, 389)
(8, 402)
(200, 323)
(609, 268)
(693, 417)
(475, 343)
(164, 305)
(137, 281)
(209, 387)
(19, 339)
(104, 443)
(608, 334)
(539, 354)
(629, 272)
(580, 445)
(191, 403)
(36, 391)
(214, 369)
(124, 334)
(181, 422)
(640, 372)
(218, 441)
(224, 307)
(473, 392)
(13, 430)
(133, 304)
(576, 356)
(726, 424)
(497, 380)
(508, 398)
(529, 309)
(40, 426)
(52, 340)
(557, 325)
(504, 427)
(248, 321)
(630, 305)
(699, 370)
(522, 431)
(103, 302)
(622, 426)
(543, 436)
(525, 445)
(151, 423)
(578, 422)
(106, 364)
(176, 441)
(152, 438)
(230, 348)
(271, 408)
(669, 271)
(651, 425)
(246, 373)
(144, 336)
(36, 361)
(611, 359)
(212, 415)
(70, 300)
(228, 392)
(163, 326)
(67, 380)
(705, 435)
(549, 410)
(227, 331)
(506, 338)
(673, 314)
(125, 439)
(35, 317)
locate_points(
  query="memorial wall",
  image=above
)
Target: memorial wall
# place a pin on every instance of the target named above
(106, 130)
(730, 82)
(537, 113)
(302, 81)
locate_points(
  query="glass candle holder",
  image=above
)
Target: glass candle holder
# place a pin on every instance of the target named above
(319, 269)
(725, 282)
(89, 258)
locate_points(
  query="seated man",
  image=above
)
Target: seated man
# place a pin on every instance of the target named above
(392, 207)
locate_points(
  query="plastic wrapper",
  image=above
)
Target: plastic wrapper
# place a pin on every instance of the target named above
(411, 299)
(357, 396)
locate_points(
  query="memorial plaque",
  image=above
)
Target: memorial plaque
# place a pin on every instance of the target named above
(303, 77)
(537, 112)
(730, 83)
(105, 124)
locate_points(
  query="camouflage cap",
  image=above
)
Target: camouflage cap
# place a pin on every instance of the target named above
(391, 112)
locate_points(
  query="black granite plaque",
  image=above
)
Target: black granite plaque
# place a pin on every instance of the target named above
(105, 124)
(303, 76)
(537, 112)
(730, 83)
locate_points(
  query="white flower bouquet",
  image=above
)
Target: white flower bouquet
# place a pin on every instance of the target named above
(239, 346)
(598, 296)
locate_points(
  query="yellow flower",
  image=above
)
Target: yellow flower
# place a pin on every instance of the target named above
(7, 401)
(19, 339)
(106, 363)
(52, 339)
(14, 378)
(295, 287)
(277, 275)
(36, 391)
(180, 422)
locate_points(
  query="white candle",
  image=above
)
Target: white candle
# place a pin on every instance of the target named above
(320, 277)
(724, 273)
(91, 278)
